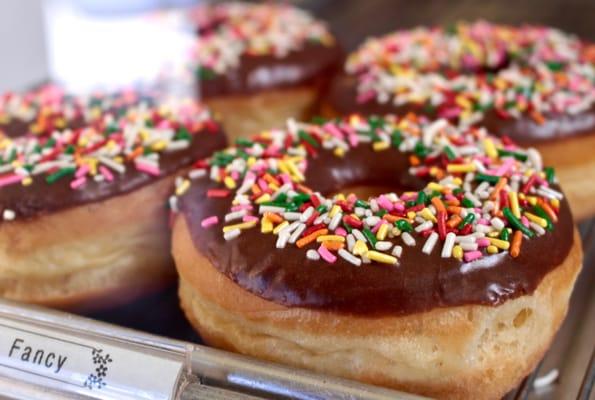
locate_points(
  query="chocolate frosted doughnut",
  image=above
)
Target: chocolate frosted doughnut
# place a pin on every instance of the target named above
(83, 188)
(274, 264)
(258, 65)
(533, 84)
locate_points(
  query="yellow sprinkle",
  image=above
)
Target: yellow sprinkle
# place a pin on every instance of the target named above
(499, 243)
(251, 161)
(379, 146)
(265, 197)
(340, 196)
(243, 225)
(411, 214)
(334, 210)
(538, 220)
(295, 171)
(490, 149)
(382, 231)
(463, 102)
(266, 226)
(229, 182)
(159, 145)
(457, 181)
(334, 238)
(435, 186)
(514, 204)
(460, 167)
(493, 234)
(492, 249)
(360, 248)
(457, 252)
(555, 203)
(279, 227)
(427, 214)
(27, 181)
(395, 231)
(183, 187)
(381, 257)
(339, 152)
(532, 200)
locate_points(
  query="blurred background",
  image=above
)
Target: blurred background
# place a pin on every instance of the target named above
(83, 42)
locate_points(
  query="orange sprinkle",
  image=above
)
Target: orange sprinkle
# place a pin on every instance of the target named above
(256, 189)
(455, 220)
(274, 218)
(391, 218)
(546, 207)
(537, 117)
(515, 247)
(414, 161)
(454, 209)
(305, 189)
(270, 179)
(501, 183)
(438, 204)
(333, 245)
(453, 202)
(137, 152)
(311, 237)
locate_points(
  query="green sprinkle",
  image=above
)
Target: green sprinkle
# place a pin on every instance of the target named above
(541, 213)
(308, 138)
(554, 65)
(467, 203)
(396, 138)
(403, 225)
(504, 234)
(487, 178)
(515, 222)
(550, 174)
(467, 220)
(369, 236)
(205, 73)
(243, 142)
(183, 134)
(421, 198)
(420, 150)
(322, 209)
(301, 198)
(450, 154)
(318, 120)
(60, 174)
(50, 143)
(381, 213)
(69, 149)
(361, 203)
(507, 153)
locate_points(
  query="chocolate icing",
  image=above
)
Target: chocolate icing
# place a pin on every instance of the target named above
(41, 198)
(421, 282)
(313, 64)
(342, 99)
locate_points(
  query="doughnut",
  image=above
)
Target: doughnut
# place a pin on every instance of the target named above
(451, 284)
(258, 65)
(84, 185)
(533, 84)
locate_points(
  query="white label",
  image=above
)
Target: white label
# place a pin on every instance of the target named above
(66, 362)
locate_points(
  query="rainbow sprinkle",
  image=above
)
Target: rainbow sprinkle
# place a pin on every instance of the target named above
(483, 193)
(229, 30)
(463, 72)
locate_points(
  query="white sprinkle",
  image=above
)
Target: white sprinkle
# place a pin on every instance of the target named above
(430, 243)
(296, 234)
(347, 256)
(234, 215)
(497, 223)
(549, 192)
(473, 199)
(350, 242)
(537, 228)
(372, 221)
(547, 379)
(292, 216)
(359, 235)
(408, 239)
(230, 235)
(289, 228)
(432, 130)
(535, 159)
(425, 226)
(397, 251)
(483, 228)
(335, 221)
(119, 168)
(271, 209)
(449, 242)
(383, 245)
(312, 255)
(8, 215)
(173, 203)
(468, 246)
(282, 240)
(307, 214)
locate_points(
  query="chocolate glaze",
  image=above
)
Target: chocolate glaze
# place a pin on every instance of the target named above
(342, 99)
(313, 64)
(42, 198)
(421, 282)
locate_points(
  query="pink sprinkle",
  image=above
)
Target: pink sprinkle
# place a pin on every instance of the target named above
(148, 169)
(385, 203)
(378, 225)
(77, 183)
(483, 221)
(340, 231)
(525, 221)
(483, 242)
(209, 221)
(366, 96)
(333, 130)
(82, 171)
(263, 184)
(9, 180)
(106, 174)
(449, 197)
(249, 218)
(472, 255)
(240, 207)
(399, 207)
(326, 255)
(285, 178)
